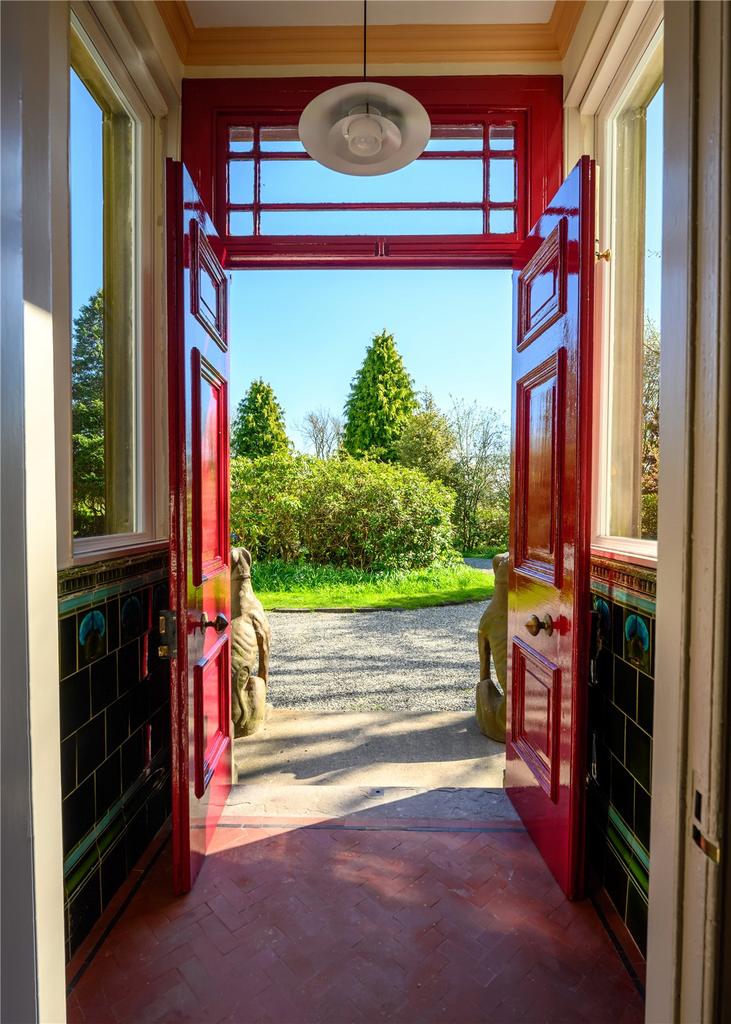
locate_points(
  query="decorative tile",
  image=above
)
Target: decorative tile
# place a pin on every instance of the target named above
(637, 640)
(92, 636)
(131, 618)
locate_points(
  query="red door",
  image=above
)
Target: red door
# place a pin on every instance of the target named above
(551, 486)
(199, 528)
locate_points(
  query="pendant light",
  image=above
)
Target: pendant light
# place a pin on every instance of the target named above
(364, 128)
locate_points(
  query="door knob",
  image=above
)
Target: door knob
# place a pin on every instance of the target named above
(534, 625)
(219, 623)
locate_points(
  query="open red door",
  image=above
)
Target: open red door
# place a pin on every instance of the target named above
(548, 618)
(198, 369)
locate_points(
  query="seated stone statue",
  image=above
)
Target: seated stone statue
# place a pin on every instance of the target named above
(250, 638)
(492, 637)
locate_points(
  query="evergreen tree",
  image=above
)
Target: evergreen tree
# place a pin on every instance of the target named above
(427, 441)
(380, 403)
(87, 417)
(258, 427)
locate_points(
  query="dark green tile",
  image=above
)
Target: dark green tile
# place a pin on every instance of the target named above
(615, 730)
(645, 701)
(623, 792)
(642, 816)
(103, 682)
(637, 917)
(67, 645)
(625, 687)
(639, 754)
(75, 702)
(616, 881)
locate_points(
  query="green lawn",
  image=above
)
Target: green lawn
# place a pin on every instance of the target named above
(300, 585)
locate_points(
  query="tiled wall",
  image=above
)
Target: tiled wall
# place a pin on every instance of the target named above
(115, 728)
(621, 695)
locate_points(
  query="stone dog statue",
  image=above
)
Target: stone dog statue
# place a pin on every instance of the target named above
(250, 638)
(492, 636)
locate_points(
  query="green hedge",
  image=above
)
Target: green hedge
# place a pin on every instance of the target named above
(341, 512)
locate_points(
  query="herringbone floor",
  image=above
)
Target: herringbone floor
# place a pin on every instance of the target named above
(344, 921)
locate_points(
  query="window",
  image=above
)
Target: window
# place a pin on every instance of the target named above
(465, 183)
(632, 148)
(105, 335)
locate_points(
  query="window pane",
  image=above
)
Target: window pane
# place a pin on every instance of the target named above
(241, 182)
(240, 222)
(87, 301)
(501, 222)
(502, 181)
(284, 139)
(424, 181)
(372, 222)
(104, 332)
(240, 140)
(460, 138)
(502, 136)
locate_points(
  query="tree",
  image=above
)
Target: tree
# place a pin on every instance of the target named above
(87, 417)
(381, 401)
(650, 427)
(427, 441)
(323, 431)
(258, 427)
(480, 476)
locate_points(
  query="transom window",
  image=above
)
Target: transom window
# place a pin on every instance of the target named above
(466, 182)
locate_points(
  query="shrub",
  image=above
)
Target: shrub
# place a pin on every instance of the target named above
(341, 512)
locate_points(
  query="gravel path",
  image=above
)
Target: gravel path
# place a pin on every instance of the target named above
(421, 660)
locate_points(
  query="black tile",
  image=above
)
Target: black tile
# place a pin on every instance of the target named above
(603, 767)
(108, 783)
(75, 702)
(117, 716)
(604, 660)
(639, 754)
(113, 624)
(91, 746)
(642, 816)
(625, 687)
(103, 682)
(159, 685)
(78, 814)
(653, 633)
(637, 917)
(85, 908)
(132, 617)
(137, 837)
(92, 635)
(623, 792)
(128, 672)
(133, 758)
(68, 765)
(646, 702)
(616, 881)
(159, 736)
(139, 705)
(615, 727)
(113, 870)
(67, 645)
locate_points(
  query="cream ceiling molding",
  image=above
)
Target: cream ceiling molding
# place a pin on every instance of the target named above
(387, 44)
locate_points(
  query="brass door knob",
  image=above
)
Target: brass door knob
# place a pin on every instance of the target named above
(534, 625)
(219, 623)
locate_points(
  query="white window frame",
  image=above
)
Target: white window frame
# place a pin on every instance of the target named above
(638, 55)
(148, 113)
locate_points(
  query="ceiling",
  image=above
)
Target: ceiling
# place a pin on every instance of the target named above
(222, 13)
(326, 36)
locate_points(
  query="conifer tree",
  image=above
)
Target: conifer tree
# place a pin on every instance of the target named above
(381, 400)
(87, 417)
(258, 427)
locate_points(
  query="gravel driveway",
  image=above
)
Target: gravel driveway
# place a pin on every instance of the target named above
(421, 660)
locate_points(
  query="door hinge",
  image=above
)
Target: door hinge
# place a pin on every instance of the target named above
(167, 635)
(705, 845)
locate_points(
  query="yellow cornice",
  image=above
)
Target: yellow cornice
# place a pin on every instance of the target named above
(387, 44)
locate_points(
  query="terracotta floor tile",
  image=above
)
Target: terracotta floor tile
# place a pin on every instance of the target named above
(303, 925)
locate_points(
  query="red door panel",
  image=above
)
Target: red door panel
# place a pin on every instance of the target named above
(199, 535)
(550, 516)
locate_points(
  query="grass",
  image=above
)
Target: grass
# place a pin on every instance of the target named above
(301, 585)
(484, 552)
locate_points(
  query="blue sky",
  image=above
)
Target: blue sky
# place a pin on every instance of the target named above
(86, 195)
(306, 332)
